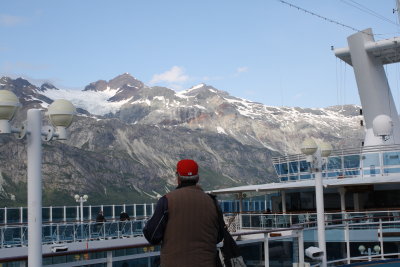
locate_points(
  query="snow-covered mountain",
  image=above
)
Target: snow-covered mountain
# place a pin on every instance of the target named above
(128, 136)
(205, 107)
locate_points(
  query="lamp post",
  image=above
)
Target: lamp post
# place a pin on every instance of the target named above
(369, 251)
(315, 157)
(81, 199)
(61, 113)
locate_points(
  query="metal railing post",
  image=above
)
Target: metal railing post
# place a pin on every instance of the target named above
(381, 238)
(301, 247)
(347, 239)
(266, 250)
(109, 259)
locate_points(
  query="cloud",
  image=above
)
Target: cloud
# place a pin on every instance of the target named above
(174, 75)
(10, 20)
(242, 69)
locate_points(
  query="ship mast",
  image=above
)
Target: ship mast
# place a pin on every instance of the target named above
(367, 57)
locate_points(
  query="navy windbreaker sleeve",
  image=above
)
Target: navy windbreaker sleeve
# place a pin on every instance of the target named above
(155, 227)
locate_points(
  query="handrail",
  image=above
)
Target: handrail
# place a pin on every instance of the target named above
(146, 244)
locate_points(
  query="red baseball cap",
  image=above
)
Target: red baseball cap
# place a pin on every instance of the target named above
(187, 169)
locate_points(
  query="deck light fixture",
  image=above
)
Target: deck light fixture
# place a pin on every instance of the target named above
(368, 251)
(61, 113)
(317, 156)
(81, 199)
(8, 106)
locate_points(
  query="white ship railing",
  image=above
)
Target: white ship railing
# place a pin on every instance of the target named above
(369, 161)
(53, 233)
(278, 247)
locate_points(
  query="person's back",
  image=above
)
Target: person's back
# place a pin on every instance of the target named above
(191, 233)
(185, 221)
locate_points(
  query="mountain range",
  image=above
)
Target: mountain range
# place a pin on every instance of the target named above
(127, 137)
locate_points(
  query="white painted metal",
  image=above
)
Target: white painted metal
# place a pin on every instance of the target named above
(81, 202)
(319, 197)
(109, 258)
(342, 192)
(34, 162)
(283, 195)
(373, 87)
(266, 251)
(301, 247)
(51, 213)
(347, 239)
(310, 184)
(381, 238)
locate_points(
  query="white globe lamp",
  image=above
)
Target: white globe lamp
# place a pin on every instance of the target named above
(8, 106)
(61, 113)
(326, 149)
(309, 147)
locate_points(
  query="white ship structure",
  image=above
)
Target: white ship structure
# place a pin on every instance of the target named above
(276, 224)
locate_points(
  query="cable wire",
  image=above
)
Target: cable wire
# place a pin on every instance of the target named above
(367, 10)
(327, 19)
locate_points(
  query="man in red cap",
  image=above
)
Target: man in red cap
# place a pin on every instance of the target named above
(186, 222)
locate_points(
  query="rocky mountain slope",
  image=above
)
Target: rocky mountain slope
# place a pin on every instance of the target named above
(128, 136)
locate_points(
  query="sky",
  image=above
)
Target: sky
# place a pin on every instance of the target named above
(260, 50)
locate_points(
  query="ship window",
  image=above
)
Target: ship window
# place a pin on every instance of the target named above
(46, 214)
(58, 214)
(370, 160)
(334, 163)
(1, 216)
(294, 167)
(294, 177)
(304, 166)
(305, 176)
(284, 179)
(351, 161)
(391, 158)
(12, 215)
(281, 169)
(71, 213)
(392, 170)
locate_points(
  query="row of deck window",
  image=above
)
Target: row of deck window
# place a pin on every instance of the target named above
(370, 164)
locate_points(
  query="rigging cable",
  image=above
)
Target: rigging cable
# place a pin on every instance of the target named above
(328, 19)
(367, 10)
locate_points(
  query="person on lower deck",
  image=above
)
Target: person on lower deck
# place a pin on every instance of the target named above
(185, 221)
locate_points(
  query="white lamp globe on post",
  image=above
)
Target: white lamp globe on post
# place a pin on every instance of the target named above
(308, 148)
(8, 106)
(326, 149)
(81, 199)
(314, 154)
(61, 112)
